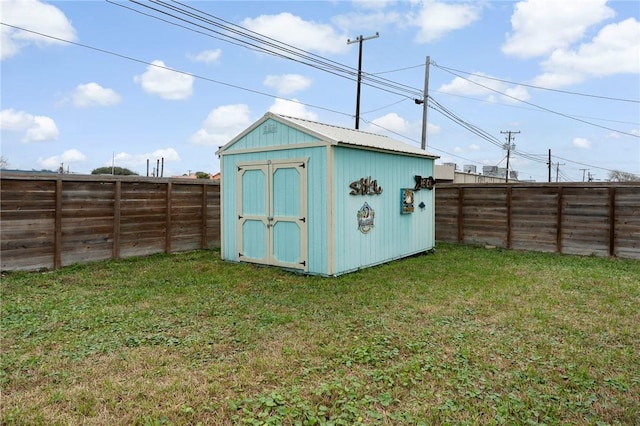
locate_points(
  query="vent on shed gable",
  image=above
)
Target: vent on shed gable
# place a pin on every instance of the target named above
(269, 128)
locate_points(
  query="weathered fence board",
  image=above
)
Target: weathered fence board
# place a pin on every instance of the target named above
(50, 221)
(575, 218)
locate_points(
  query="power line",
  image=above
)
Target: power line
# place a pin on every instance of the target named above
(567, 92)
(436, 105)
(398, 70)
(533, 109)
(385, 106)
(543, 108)
(130, 58)
(590, 165)
(415, 141)
(244, 37)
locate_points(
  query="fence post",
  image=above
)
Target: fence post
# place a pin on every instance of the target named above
(57, 241)
(460, 218)
(117, 196)
(559, 220)
(612, 221)
(167, 243)
(509, 195)
(203, 243)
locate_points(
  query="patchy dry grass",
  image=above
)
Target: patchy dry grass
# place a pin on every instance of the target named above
(461, 336)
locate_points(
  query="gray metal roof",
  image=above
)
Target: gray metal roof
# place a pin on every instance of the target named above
(343, 136)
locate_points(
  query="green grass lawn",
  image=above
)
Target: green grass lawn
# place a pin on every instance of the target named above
(461, 336)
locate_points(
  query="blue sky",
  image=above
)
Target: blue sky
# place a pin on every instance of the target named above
(131, 88)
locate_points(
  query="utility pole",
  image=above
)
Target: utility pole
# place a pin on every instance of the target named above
(424, 103)
(359, 40)
(509, 146)
(558, 170)
(583, 173)
(549, 164)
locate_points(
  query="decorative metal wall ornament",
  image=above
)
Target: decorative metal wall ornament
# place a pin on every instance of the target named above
(421, 183)
(365, 186)
(365, 218)
(406, 200)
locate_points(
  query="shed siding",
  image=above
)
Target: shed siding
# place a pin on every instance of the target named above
(316, 199)
(394, 235)
(272, 133)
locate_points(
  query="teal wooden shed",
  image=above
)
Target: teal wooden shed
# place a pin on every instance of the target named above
(322, 199)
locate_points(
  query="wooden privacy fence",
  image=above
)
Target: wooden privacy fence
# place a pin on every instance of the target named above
(49, 221)
(574, 218)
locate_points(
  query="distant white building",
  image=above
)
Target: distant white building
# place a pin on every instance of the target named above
(448, 173)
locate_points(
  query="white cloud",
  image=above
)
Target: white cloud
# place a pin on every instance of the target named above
(392, 122)
(539, 26)
(370, 22)
(36, 128)
(163, 81)
(207, 56)
(128, 160)
(581, 143)
(70, 156)
(482, 85)
(222, 124)
(287, 84)
(395, 126)
(32, 15)
(614, 50)
(306, 35)
(435, 19)
(373, 4)
(92, 94)
(292, 108)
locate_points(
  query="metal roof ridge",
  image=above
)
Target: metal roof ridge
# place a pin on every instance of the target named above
(288, 117)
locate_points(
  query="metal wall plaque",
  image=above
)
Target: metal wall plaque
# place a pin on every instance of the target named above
(406, 200)
(365, 218)
(365, 186)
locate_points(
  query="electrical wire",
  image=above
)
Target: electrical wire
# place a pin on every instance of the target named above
(210, 80)
(384, 107)
(258, 42)
(592, 166)
(566, 92)
(416, 142)
(286, 51)
(436, 105)
(351, 70)
(531, 109)
(546, 109)
(398, 70)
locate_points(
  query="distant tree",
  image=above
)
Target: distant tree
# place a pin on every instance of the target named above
(619, 176)
(4, 163)
(116, 171)
(202, 175)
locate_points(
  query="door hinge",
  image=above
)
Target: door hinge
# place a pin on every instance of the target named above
(240, 254)
(303, 263)
(239, 168)
(302, 165)
(303, 219)
(239, 217)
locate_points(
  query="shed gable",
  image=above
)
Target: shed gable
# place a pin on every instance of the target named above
(267, 134)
